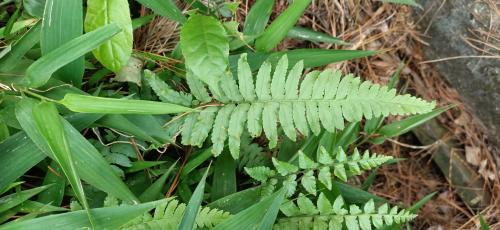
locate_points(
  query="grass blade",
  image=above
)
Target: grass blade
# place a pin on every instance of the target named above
(10, 23)
(153, 192)
(14, 199)
(313, 36)
(165, 8)
(42, 69)
(403, 126)
(14, 161)
(63, 21)
(90, 164)
(279, 28)
(224, 178)
(18, 26)
(192, 208)
(104, 218)
(90, 104)
(20, 48)
(405, 2)
(49, 125)
(252, 216)
(55, 194)
(311, 57)
(258, 16)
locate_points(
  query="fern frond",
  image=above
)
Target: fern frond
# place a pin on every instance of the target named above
(252, 154)
(164, 92)
(310, 171)
(322, 99)
(168, 215)
(304, 214)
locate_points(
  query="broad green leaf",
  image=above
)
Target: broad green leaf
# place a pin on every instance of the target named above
(165, 8)
(104, 218)
(258, 16)
(20, 48)
(17, 198)
(50, 127)
(90, 104)
(90, 164)
(280, 26)
(313, 36)
(114, 53)
(205, 48)
(42, 69)
(63, 21)
(224, 177)
(192, 208)
(254, 215)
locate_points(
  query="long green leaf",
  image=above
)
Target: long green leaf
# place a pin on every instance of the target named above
(279, 28)
(403, 126)
(224, 179)
(405, 2)
(205, 48)
(313, 36)
(63, 21)
(258, 16)
(90, 104)
(14, 199)
(239, 201)
(90, 164)
(14, 161)
(252, 216)
(192, 208)
(311, 57)
(115, 52)
(49, 125)
(20, 48)
(153, 192)
(19, 25)
(55, 194)
(42, 69)
(104, 218)
(165, 8)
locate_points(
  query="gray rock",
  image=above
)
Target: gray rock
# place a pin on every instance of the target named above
(476, 79)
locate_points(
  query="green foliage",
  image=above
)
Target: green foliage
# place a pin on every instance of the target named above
(168, 216)
(304, 214)
(322, 99)
(114, 53)
(205, 49)
(311, 171)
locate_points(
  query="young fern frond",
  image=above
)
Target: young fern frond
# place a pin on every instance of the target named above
(303, 214)
(168, 215)
(322, 99)
(310, 171)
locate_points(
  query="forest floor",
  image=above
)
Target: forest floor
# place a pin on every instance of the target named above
(371, 25)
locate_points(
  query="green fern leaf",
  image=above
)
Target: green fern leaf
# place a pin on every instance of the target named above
(322, 99)
(306, 215)
(342, 165)
(168, 215)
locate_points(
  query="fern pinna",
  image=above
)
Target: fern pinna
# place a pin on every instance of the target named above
(321, 99)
